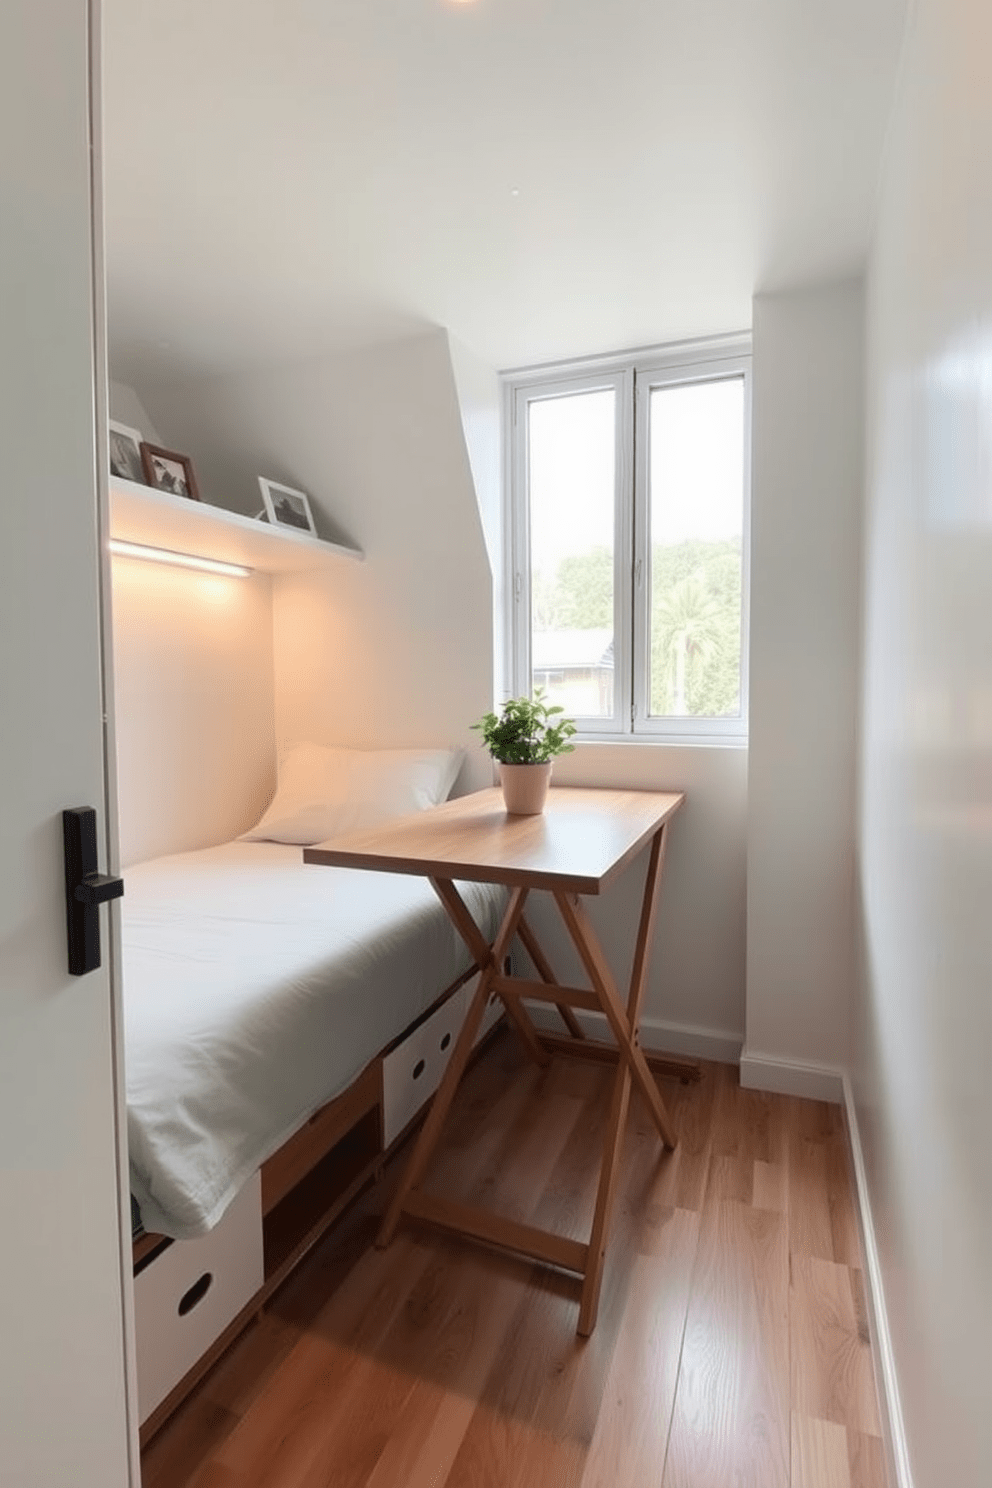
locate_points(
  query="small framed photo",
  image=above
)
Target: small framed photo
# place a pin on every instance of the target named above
(285, 507)
(125, 453)
(167, 471)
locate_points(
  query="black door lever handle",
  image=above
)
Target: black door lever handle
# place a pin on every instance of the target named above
(97, 888)
(85, 889)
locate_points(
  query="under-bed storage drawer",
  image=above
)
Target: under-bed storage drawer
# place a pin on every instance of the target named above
(187, 1295)
(412, 1071)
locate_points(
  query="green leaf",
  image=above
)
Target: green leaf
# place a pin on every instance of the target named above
(522, 733)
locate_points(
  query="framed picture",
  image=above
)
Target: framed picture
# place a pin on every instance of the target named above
(285, 507)
(167, 471)
(125, 453)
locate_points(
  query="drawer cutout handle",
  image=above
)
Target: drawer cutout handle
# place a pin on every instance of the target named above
(418, 1069)
(445, 1042)
(196, 1294)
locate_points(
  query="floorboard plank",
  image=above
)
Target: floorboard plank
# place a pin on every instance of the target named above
(239, 1375)
(181, 1452)
(213, 1475)
(819, 1454)
(811, 1231)
(832, 1378)
(840, 1197)
(731, 1421)
(770, 1187)
(631, 1435)
(691, 1109)
(429, 1432)
(866, 1459)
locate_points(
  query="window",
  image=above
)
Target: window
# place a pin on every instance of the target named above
(629, 484)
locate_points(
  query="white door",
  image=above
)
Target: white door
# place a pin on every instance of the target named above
(64, 1415)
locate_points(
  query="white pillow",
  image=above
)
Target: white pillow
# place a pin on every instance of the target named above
(325, 791)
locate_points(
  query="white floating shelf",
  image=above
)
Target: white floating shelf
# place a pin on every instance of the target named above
(140, 514)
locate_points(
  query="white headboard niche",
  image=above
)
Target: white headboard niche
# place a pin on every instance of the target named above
(194, 703)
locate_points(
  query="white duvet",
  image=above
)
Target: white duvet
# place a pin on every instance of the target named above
(256, 989)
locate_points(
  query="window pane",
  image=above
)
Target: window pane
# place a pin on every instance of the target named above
(696, 514)
(571, 481)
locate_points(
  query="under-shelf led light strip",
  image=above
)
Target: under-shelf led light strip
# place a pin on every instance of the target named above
(181, 560)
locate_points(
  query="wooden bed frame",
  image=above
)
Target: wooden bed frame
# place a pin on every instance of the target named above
(306, 1184)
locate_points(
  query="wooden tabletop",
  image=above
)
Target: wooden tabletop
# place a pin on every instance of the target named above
(580, 842)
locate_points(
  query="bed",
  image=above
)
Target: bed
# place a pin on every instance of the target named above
(256, 990)
(265, 1004)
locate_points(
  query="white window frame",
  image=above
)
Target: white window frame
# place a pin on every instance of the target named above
(632, 376)
(621, 380)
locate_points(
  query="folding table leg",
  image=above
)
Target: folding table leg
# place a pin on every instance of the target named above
(532, 946)
(431, 1129)
(631, 1069)
(483, 953)
(521, 1021)
(599, 974)
(613, 1143)
(605, 1195)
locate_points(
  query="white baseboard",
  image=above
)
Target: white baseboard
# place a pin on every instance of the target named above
(893, 1429)
(685, 1039)
(721, 1045)
(787, 1077)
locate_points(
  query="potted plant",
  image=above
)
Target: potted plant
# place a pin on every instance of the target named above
(524, 739)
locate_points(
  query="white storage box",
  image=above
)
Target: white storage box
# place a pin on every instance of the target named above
(412, 1071)
(187, 1295)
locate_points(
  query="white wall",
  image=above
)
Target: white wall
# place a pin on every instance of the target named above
(479, 401)
(127, 408)
(924, 1096)
(194, 692)
(807, 486)
(399, 649)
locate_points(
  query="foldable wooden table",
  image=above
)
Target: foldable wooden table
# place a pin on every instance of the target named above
(581, 842)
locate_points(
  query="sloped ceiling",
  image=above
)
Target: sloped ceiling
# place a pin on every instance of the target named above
(546, 178)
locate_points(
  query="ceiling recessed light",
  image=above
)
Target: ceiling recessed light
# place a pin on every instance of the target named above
(514, 190)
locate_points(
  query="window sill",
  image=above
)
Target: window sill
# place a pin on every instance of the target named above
(661, 741)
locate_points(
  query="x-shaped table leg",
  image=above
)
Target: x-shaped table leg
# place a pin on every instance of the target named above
(631, 1062)
(488, 959)
(587, 1260)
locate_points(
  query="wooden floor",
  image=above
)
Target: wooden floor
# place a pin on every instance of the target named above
(732, 1343)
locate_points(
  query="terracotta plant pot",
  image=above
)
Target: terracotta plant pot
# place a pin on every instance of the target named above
(525, 788)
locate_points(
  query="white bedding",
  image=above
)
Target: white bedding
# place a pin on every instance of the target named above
(256, 989)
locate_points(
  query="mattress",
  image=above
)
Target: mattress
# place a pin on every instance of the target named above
(255, 989)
